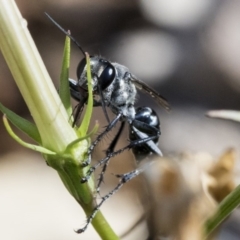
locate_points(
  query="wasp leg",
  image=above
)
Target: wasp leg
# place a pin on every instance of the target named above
(99, 138)
(124, 178)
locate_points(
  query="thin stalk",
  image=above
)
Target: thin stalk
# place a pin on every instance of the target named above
(47, 110)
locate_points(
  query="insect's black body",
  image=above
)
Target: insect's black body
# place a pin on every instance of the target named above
(115, 87)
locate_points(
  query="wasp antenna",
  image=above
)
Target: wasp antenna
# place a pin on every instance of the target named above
(67, 33)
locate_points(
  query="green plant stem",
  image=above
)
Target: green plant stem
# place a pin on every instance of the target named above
(33, 79)
(47, 110)
(224, 209)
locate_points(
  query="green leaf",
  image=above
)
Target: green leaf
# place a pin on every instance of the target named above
(64, 91)
(20, 141)
(24, 125)
(87, 117)
(224, 209)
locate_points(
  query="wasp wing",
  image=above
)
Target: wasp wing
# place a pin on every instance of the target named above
(147, 89)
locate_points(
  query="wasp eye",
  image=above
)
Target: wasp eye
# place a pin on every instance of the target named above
(81, 67)
(107, 76)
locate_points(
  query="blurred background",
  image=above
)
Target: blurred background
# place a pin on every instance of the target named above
(187, 50)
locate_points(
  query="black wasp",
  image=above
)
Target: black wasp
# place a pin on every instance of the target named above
(116, 87)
